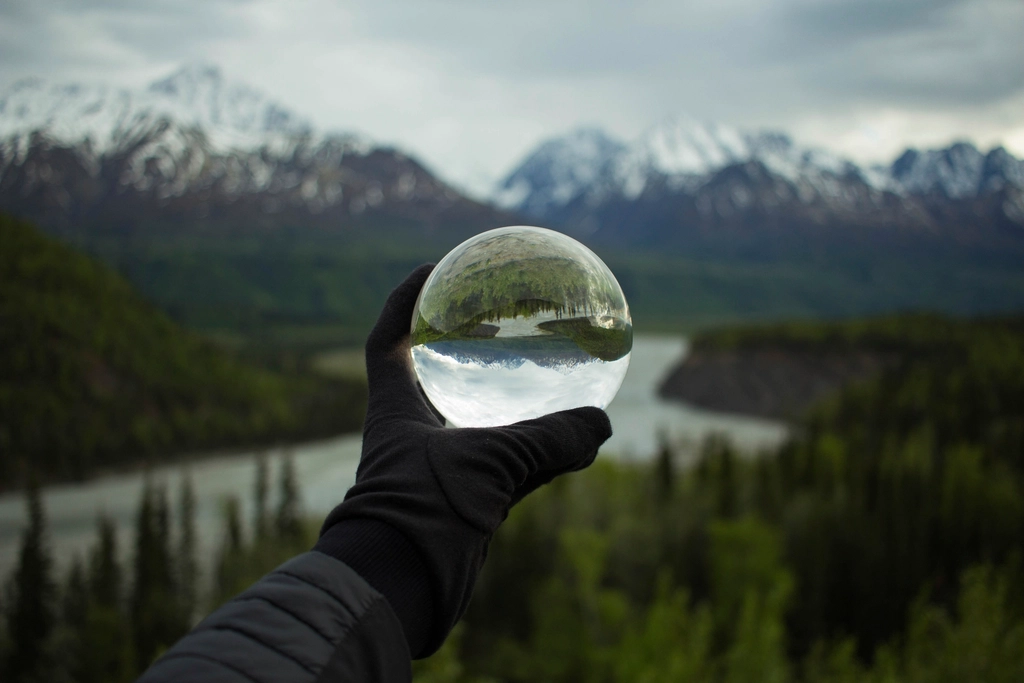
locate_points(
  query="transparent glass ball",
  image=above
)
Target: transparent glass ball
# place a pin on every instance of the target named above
(516, 323)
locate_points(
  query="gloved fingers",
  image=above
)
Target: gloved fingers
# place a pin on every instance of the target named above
(560, 442)
(566, 440)
(483, 472)
(393, 391)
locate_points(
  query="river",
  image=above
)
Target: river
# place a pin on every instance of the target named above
(326, 469)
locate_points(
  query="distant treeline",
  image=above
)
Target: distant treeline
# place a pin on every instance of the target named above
(93, 376)
(311, 289)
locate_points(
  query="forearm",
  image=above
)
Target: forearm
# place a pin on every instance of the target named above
(312, 619)
(392, 565)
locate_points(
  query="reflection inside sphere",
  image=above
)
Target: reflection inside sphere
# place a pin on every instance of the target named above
(516, 323)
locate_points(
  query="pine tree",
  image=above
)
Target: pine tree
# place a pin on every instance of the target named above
(188, 567)
(262, 491)
(75, 614)
(76, 595)
(664, 469)
(289, 522)
(232, 553)
(726, 493)
(103, 639)
(156, 617)
(104, 569)
(31, 599)
(233, 524)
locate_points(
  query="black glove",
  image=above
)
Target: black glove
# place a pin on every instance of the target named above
(444, 491)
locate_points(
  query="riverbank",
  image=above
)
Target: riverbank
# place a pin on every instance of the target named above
(772, 382)
(325, 469)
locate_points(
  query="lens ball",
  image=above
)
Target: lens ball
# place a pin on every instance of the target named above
(516, 323)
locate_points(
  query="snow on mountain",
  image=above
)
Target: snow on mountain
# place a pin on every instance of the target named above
(679, 153)
(684, 177)
(955, 171)
(230, 115)
(195, 144)
(681, 156)
(960, 171)
(680, 149)
(557, 171)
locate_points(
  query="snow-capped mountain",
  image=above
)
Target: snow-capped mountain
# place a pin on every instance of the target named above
(558, 171)
(686, 176)
(231, 115)
(193, 146)
(960, 171)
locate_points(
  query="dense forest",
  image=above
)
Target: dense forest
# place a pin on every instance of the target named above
(883, 542)
(93, 376)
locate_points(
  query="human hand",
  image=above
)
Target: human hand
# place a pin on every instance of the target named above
(447, 490)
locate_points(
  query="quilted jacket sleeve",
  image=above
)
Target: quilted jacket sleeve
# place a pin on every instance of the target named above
(311, 620)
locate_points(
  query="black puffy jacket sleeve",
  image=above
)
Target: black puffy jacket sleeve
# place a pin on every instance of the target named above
(313, 619)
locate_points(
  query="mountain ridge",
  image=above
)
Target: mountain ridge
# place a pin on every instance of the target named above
(683, 176)
(193, 149)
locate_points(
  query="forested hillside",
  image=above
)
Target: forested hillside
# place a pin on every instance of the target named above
(91, 375)
(882, 544)
(780, 370)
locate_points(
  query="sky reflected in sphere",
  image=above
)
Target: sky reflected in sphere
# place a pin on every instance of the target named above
(520, 322)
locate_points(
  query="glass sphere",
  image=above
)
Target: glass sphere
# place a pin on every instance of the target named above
(516, 323)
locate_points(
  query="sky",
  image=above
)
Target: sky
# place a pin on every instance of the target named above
(470, 86)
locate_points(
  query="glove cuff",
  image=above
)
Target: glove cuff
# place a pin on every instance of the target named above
(392, 566)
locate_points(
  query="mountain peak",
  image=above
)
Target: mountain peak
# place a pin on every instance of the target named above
(232, 115)
(559, 169)
(188, 77)
(683, 145)
(955, 171)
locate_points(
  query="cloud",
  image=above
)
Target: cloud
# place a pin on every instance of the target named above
(470, 86)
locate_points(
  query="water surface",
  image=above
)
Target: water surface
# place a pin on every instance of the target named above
(326, 469)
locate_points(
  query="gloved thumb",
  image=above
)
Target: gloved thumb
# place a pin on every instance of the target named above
(392, 386)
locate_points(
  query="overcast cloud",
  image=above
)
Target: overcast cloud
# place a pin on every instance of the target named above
(470, 86)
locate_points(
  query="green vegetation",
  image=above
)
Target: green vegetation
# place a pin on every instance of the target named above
(280, 293)
(104, 624)
(606, 343)
(571, 336)
(93, 376)
(505, 276)
(883, 543)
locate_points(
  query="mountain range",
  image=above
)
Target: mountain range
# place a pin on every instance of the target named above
(684, 180)
(197, 151)
(236, 215)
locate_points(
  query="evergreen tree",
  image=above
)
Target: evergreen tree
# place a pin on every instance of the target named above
(232, 553)
(101, 635)
(157, 621)
(75, 614)
(76, 595)
(105, 576)
(31, 599)
(188, 566)
(289, 522)
(664, 469)
(262, 492)
(233, 525)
